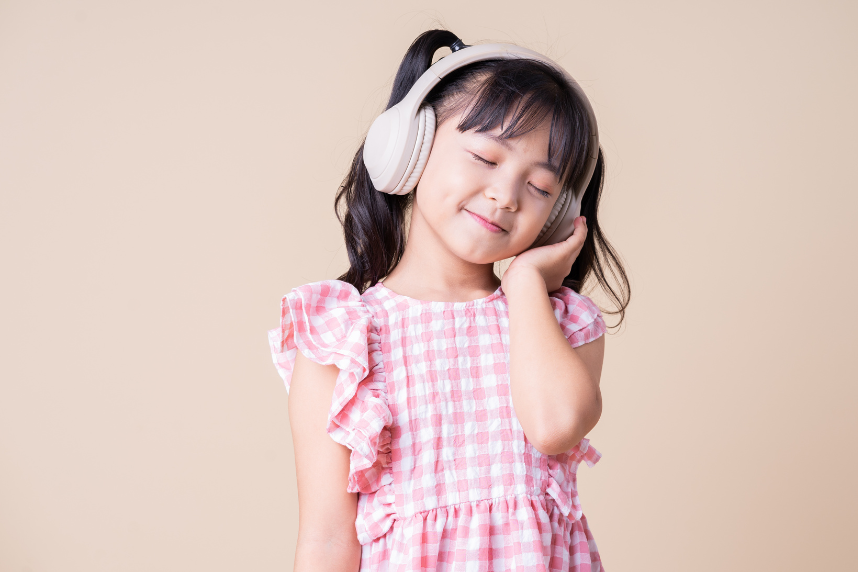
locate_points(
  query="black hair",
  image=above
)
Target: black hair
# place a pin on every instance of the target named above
(374, 223)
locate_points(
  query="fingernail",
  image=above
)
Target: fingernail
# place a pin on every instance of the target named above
(585, 219)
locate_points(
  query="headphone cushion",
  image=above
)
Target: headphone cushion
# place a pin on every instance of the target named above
(425, 146)
(549, 226)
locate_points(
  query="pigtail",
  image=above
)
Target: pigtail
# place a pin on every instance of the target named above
(373, 222)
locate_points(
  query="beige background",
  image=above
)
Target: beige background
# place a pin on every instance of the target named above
(167, 172)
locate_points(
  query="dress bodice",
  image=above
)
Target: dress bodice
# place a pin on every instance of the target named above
(423, 402)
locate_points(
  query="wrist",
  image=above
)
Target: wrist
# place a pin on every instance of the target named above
(524, 280)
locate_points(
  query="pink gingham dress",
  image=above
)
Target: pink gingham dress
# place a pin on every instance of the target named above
(446, 478)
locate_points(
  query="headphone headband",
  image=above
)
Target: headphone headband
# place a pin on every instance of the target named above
(470, 54)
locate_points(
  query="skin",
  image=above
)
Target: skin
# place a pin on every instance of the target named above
(327, 539)
(554, 387)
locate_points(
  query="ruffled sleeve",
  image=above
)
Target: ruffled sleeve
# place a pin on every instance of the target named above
(329, 323)
(579, 318)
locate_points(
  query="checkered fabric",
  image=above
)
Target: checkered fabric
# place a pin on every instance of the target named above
(446, 478)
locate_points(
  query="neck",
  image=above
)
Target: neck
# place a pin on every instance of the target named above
(430, 271)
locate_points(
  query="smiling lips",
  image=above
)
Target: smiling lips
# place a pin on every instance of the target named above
(485, 223)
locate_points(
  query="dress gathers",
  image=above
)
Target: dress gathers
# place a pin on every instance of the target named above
(445, 476)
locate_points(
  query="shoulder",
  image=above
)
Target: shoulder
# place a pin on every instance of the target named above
(573, 306)
(579, 317)
(325, 312)
(326, 321)
(329, 293)
(330, 301)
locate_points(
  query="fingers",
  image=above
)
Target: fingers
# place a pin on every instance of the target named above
(576, 240)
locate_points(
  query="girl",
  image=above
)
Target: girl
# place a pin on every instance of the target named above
(439, 415)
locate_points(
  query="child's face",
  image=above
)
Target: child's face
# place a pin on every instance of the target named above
(515, 193)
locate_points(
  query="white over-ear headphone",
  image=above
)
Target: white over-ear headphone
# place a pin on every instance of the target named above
(399, 140)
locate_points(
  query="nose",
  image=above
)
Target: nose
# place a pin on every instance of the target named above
(504, 193)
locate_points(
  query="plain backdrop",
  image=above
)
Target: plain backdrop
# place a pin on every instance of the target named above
(168, 171)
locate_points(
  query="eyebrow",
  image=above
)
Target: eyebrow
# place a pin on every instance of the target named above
(504, 143)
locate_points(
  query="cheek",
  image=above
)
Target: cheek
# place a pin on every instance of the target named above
(443, 186)
(533, 212)
(530, 223)
(541, 213)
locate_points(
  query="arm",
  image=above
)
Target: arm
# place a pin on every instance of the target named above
(554, 387)
(327, 539)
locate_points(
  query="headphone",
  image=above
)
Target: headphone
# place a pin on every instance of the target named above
(398, 142)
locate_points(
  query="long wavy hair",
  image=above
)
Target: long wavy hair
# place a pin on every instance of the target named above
(375, 224)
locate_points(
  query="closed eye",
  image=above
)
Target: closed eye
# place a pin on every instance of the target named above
(478, 158)
(540, 191)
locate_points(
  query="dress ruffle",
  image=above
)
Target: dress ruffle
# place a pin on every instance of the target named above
(329, 323)
(443, 539)
(562, 478)
(579, 318)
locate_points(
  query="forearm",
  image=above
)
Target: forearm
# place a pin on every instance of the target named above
(327, 555)
(555, 398)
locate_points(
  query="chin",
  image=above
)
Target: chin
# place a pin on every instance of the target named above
(472, 252)
(478, 258)
(482, 248)
(477, 253)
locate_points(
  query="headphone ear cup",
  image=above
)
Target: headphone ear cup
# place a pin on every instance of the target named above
(425, 146)
(566, 226)
(558, 211)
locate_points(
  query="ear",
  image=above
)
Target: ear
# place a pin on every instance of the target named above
(425, 147)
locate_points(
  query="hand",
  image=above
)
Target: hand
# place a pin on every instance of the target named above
(552, 262)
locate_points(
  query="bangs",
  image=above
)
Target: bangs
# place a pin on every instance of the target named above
(526, 92)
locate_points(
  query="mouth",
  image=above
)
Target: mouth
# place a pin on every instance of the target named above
(485, 223)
